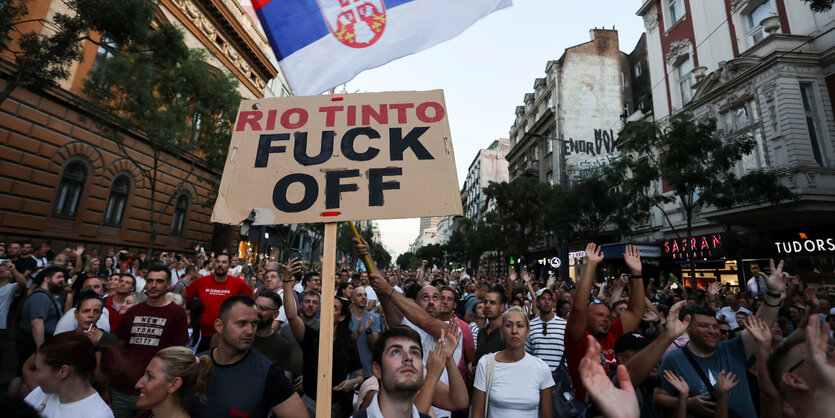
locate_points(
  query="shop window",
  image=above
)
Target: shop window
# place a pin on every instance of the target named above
(676, 10)
(807, 93)
(70, 187)
(756, 32)
(118, 198)
(180, 211)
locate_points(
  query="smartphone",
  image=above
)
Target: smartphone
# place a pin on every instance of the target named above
(295, 254)
(4, 261)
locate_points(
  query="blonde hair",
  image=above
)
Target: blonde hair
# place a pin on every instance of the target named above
(521, 311)
(179, 362)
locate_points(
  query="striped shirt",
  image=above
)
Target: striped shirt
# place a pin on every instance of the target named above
(474, 329)
(547, 343)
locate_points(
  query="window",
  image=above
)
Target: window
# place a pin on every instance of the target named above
(179, 215)
(676, 9)
(745, 120)
(637, 69)
(627, 109)
(812, 124)
(756, 32)
(684, 75)
(549, 145)
(549, 178)
(624, 80)
(116, 203)
(70, 188)
(107, 49)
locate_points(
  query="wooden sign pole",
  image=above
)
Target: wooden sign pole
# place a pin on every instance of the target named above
(325, 383)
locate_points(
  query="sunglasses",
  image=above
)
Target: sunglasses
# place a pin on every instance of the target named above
(596, 301)
(725, 331)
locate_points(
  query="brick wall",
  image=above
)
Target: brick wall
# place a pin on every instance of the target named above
(40, 133)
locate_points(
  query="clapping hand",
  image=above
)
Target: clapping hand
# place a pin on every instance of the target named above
(725, 382)
(678, 383)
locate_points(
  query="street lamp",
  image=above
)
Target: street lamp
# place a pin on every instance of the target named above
(563, 254)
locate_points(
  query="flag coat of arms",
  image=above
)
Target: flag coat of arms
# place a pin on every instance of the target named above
(321, 44)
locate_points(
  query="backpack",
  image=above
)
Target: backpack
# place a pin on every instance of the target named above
(461, 309)
(565, 405)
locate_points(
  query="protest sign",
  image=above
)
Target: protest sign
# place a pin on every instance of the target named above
(342, 157)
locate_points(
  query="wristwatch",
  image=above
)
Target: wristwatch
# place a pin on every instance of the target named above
(356, 386)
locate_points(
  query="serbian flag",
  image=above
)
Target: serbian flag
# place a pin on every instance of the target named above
(321, 44)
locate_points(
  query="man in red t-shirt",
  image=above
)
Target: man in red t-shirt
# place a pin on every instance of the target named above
(213, 290)
(145, 329)
(594, 318)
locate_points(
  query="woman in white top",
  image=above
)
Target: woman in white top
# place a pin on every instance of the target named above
(65, 364)
(521, 384)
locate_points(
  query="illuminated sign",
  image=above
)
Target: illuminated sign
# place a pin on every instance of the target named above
(693, 247)
(805, 245)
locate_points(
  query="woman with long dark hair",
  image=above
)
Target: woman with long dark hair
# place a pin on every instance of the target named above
(65, 363)
(346, 359)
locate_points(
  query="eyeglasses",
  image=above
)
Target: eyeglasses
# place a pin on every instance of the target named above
(796, 365)
(264, 308)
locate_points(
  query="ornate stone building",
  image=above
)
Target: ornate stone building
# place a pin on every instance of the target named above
(61, 180)
(764, 68)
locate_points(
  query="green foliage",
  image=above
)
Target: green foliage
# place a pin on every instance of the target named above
(159, 87)
(433, 253)
(819, 6)
(404, 259)
(45, 57)
(469, 241)
(519, 218)
(345, 244)
(697, 162)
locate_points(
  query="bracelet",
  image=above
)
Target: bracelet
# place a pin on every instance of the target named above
(637, 276)
(391, 293)
(774, 294)
(776, 305)
(288, 281)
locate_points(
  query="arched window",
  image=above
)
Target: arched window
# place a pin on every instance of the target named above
(179, 215)
(70, 188)
(118, 198)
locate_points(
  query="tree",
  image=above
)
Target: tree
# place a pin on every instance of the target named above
(468, 241)
(404, 259)
(594, 204)
(44, 57)
(167, 92)
(695, 162)
(819, 6)
(433, 253)
(518, 220)
(345, 244)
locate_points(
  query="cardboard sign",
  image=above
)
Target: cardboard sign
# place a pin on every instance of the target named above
(339, 157)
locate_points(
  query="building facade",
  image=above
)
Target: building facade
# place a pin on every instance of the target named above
(575, 112)
(489, 165)
(765, 68)
(62, 180)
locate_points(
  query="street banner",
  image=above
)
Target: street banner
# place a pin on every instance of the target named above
(338, 158)
(321, 44)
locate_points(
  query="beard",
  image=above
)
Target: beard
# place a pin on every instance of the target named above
(264, 324)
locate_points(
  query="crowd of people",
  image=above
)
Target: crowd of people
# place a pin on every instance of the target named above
(130, 334)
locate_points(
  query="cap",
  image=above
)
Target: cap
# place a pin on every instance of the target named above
(631, 341)
(543, 290)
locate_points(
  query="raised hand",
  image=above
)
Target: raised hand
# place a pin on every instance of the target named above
(758, 329)
(79, 250)
(777, 280)
(725, 382)
(594, 254)
(678, 382)
(525, 276)
(714, 288)
(675, 326)
(613, 402)
(817, 339)
(512, 276)
(632, 257)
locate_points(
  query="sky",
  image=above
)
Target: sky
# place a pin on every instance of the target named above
(486, 71)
